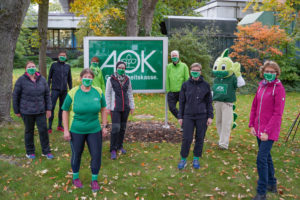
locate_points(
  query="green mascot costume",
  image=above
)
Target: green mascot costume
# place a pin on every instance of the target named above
(227, 79)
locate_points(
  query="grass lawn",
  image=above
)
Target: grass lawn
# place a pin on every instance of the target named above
(149, 170)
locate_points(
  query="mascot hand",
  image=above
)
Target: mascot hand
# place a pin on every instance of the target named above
(236, 68)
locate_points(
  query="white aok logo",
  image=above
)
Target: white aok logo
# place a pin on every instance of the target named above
(132, 60)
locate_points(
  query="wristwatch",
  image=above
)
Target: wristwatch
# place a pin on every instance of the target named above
(104, 126)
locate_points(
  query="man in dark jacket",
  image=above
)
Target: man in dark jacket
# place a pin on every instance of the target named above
(59, 76)
(195, 111)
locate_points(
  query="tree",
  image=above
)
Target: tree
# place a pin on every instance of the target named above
(12, 14)
(132, 18)
(256, 43)
(42, 29)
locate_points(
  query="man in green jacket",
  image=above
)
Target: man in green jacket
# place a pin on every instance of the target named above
(177, 74)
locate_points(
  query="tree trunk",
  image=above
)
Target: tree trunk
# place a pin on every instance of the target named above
(12, 14)
(132, 18)
(42, 28)
(147, 16)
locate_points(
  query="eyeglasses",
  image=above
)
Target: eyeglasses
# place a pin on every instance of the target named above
(271, 72)
(32, 66)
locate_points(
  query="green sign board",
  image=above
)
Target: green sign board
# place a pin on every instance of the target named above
(145, 57)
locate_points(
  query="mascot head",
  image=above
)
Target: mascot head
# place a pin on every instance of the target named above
(223, 66)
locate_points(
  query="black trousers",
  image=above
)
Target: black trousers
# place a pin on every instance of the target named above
(173, 98)
(94, 142)
(41, 122)
(189, 126)
(55, 94)
(119, 121)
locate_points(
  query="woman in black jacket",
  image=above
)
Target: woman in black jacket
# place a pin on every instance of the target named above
(32, 102)
(195, 111)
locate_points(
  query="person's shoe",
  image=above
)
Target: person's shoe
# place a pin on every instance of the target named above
(60, 128)
(222, 148)
(48, 156)
(95, 186)
(272, 188)
(123, 151)
(182, 164)
(49, 131)
(30, 156)
(113, 155)
(196, 164)
(77, 183)
(260, 197)
(181, 129)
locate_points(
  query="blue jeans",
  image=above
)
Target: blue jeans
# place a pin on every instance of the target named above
(265, 166)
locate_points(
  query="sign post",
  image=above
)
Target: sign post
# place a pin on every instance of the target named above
(145, 57)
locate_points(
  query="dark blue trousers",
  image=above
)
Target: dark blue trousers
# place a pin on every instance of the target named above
(94, 142)
(265, 167)
(61, 95)
(173, 98)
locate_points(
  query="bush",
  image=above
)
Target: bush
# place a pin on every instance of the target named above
(76, 63)
(191, 50)
(20, 60)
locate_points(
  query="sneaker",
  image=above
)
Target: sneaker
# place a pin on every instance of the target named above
(60, 128)
(95, 186)
(49, 131)
(182, 164)
(260, 197)
(123, 151)
(30, 156)
(77, 183)
(48, 155)
(196, 164)
(113, 155)
(272, 188)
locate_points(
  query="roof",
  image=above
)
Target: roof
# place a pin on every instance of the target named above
(265, 17)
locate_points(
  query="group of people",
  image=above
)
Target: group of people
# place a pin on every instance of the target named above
(81, 107)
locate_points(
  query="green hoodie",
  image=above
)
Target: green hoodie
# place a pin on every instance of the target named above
(98, 79)
(176, 76)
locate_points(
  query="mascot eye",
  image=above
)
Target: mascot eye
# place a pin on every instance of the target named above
(215, 67)
(223, 67)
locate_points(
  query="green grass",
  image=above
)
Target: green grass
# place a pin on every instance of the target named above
(149, 170)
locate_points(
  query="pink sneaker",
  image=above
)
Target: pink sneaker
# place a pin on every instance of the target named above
(77, 183)
(49, 131)
(95, 186)
(60, 128)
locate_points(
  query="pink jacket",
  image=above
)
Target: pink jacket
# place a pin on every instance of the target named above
(267, 109)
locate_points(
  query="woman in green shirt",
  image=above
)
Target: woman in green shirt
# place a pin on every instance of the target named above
(98, 80)
(81, 121)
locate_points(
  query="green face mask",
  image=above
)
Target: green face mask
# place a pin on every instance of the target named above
(269, 77)
(121, 71)
(220, 74)
(195, 74)
(62, 58)
(95, 64)
(31, 71)
(174, 59)
(87, 82)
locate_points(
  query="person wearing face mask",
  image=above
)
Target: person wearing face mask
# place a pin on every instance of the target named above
(265, 121)
(177, 73)
(195, 112)
(81, 110)
(98, 80)
(32, 102)
(119, 99)
(59, 79)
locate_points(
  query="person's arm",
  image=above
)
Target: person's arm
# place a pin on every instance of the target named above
(274, 122)
(65, 115)
(167, 80)
(253, 110)
(240, 81)
(130, 96)
(186, 73)
(50, 75)
(182, 100)
(16, 97)
(108, 95)
(48, 102)
(209, 106)
(70, 78)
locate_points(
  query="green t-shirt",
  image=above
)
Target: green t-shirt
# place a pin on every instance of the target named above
(84, 109)
(224, 89)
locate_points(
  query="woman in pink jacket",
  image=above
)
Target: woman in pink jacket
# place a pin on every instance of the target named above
(265, 121)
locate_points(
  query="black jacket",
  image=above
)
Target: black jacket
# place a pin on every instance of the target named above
(195, 100)
(60, 76)
(31, 97)
(121, 95)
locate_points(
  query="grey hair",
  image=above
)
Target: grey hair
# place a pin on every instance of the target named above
(175, 51)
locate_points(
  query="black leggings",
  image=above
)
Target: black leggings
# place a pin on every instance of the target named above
(119, 120)
(55, 94)
(94, 142)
